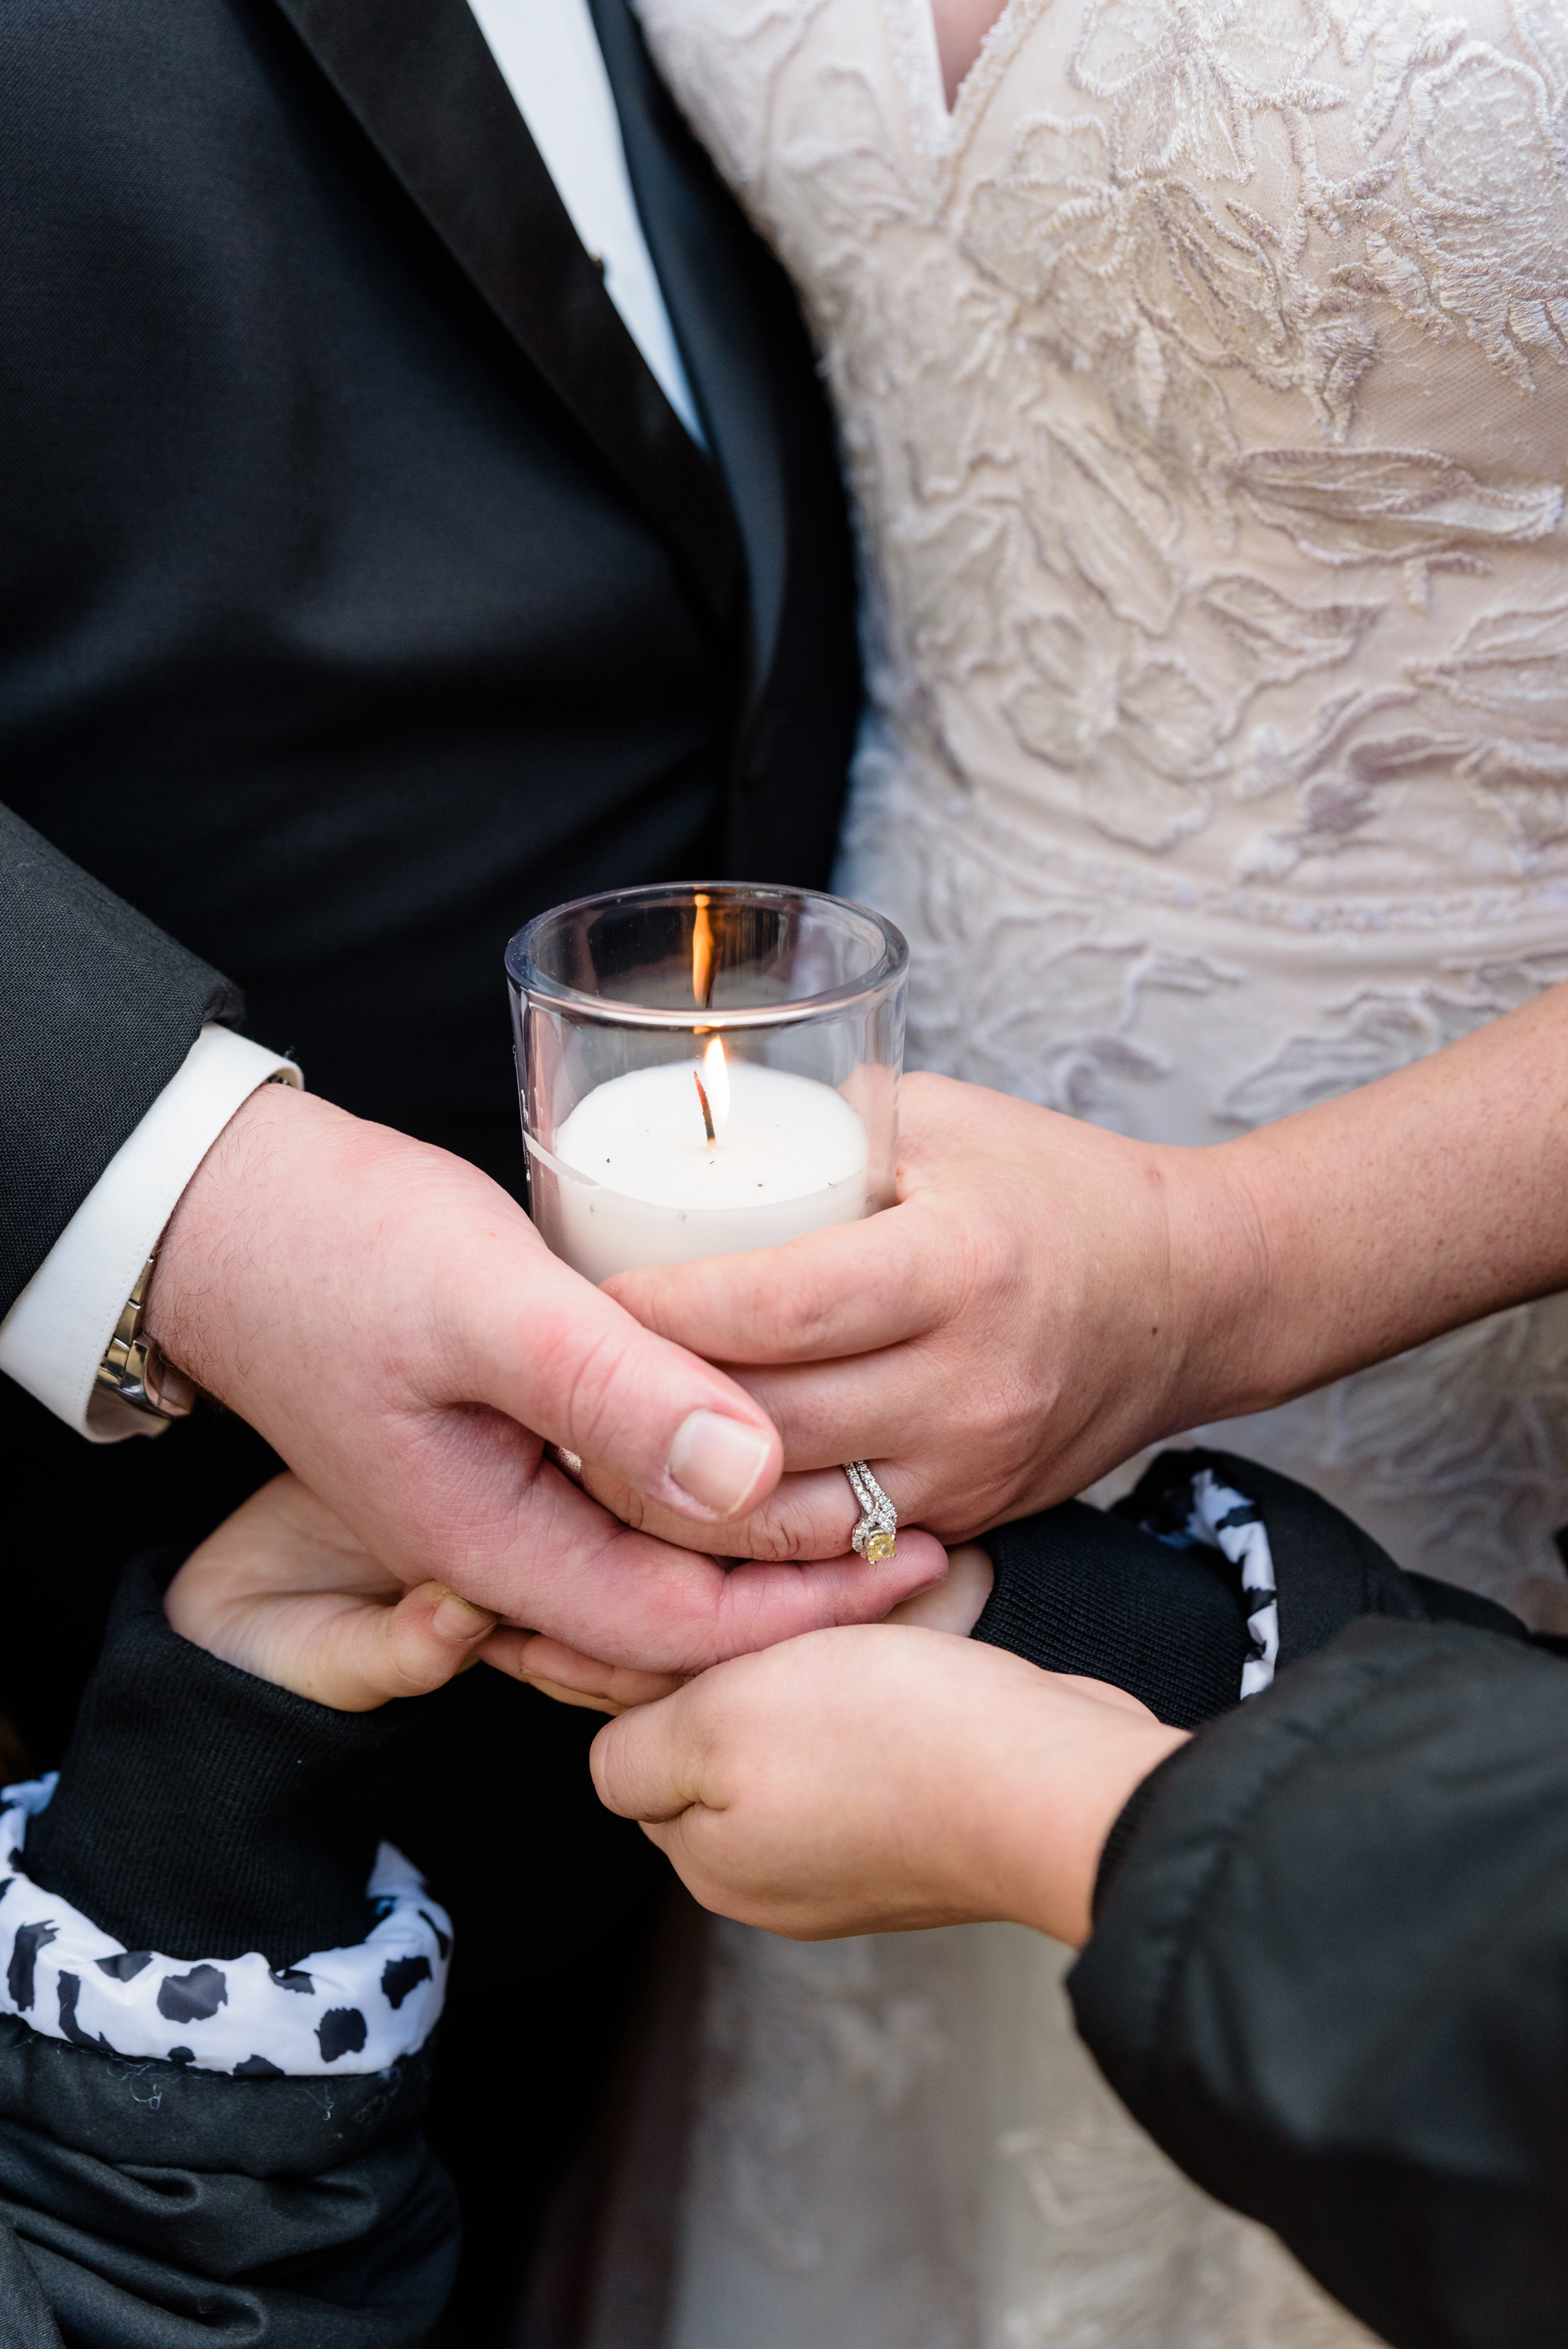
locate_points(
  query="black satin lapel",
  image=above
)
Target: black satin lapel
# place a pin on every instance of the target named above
(419, 78)
(707, 262)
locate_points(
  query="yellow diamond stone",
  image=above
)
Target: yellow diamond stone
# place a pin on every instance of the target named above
(877, 1546)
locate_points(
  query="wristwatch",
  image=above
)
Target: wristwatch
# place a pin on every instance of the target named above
(133, 1368)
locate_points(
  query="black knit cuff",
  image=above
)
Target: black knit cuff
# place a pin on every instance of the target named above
(1079, 1590)
(1191, 1591)
(204, 1811)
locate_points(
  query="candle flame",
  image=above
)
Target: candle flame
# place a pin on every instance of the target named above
(702, 956)
(717, 1075)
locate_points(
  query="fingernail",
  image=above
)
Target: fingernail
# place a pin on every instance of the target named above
(458, 1618)
(718, 1462)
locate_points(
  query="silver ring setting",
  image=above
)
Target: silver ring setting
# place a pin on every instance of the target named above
(875, 1538)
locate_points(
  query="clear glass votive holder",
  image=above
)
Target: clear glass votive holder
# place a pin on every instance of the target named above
(703, 1068)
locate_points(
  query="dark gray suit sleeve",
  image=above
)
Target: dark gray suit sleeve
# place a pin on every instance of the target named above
(100, 1009)
(1329, 1975)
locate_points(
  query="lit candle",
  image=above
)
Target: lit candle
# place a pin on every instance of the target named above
(706, 1068)
(786, 1156)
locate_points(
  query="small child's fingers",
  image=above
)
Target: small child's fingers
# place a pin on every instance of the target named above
(956, 1603)
(570, 1677)
(559, 1693)
(349, 1652)
(648, 1766)
(405, 1650)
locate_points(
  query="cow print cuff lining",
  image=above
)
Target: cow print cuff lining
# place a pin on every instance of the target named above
(1207, 1514)
(350, 2009)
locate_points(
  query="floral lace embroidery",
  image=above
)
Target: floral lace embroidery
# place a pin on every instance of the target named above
(1202, 379)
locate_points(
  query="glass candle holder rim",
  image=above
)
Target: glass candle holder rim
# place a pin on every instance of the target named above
(526, 975)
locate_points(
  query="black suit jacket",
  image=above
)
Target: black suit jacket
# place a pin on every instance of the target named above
(362, 593)
(360, 596)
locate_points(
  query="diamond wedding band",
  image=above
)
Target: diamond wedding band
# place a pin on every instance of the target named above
(875, 1538)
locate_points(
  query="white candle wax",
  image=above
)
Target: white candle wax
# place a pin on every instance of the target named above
(790, 1157)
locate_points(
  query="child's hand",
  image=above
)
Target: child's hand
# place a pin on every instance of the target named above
(881, 1777)
(570, 1677)
(953, 1604)
(283, 1590)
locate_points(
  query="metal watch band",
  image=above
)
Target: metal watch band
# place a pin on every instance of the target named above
(133, 1368)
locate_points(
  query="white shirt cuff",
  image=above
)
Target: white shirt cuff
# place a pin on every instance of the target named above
(53, 1339)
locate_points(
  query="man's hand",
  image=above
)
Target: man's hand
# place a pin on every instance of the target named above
(1021, 1320)
(884, 1778)
(391, 1322)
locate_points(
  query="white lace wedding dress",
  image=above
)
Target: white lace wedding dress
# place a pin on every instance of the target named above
(1203, 378)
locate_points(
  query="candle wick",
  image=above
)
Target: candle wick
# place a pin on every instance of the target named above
(707, 1113)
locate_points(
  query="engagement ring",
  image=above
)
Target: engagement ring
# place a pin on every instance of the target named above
(875, 1538)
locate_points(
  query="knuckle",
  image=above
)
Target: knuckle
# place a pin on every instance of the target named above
(1005, 1425)
(774, 1542)
(1015, 1414)
(797, 1320)
(592, 1392)
(988, 1263)
(409, 1668)
(623, 1500)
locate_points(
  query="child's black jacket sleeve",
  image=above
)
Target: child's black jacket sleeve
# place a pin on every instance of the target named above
(1329, 1970)
(216, 1999)
(1329, 1975)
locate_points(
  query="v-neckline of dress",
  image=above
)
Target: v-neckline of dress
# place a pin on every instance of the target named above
(940, 132)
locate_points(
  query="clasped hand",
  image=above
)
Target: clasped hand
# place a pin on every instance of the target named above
(1028, 1313)
(846, 1781)
(390, 1321)
(1043, 1299)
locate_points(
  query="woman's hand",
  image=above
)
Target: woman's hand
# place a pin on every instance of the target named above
(1045, 1298)
(282, 1590)
(1028, 1314)
(878, 1778)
